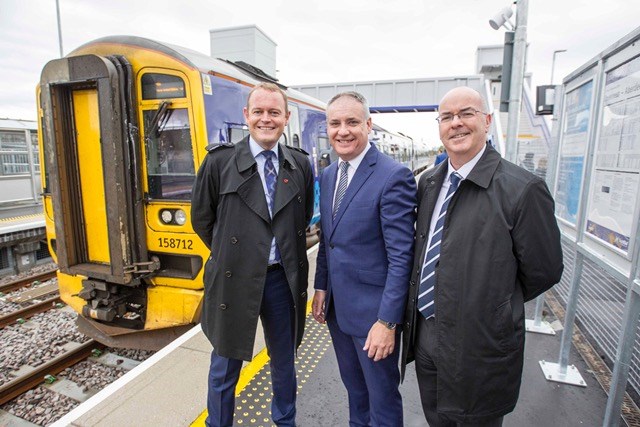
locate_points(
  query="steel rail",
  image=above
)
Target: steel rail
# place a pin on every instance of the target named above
(12, 286)
(32, 379)
(27, 312)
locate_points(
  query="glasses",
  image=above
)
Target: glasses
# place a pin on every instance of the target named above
(466, 114)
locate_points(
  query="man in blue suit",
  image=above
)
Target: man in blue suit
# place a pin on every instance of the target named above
(367, 206)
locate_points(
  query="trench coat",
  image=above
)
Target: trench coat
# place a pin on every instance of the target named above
(230, 214)
(500, 248)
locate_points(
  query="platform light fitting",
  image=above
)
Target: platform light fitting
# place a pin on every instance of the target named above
(502, 19)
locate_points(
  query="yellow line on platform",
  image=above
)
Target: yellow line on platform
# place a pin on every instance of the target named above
(246, 375)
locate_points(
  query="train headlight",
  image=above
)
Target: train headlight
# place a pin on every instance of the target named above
(166, 216)
(180, 217)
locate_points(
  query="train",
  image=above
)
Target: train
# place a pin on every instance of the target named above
(124, 123)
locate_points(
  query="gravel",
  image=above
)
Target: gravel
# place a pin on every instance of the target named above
(40, 339)
(7, 306)
(35, 270)
(40, 406)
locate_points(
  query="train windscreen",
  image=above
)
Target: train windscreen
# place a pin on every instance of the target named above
(170, 168)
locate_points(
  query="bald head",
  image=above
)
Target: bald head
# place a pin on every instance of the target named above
(471, 95)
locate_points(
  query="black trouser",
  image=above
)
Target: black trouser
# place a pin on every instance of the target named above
(426, 371)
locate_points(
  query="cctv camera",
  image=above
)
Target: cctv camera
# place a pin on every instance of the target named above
(500, 18)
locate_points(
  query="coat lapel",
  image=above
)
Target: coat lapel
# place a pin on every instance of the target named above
(432, 190)
(250, 189)
(429, 197)
(362, 174)
(286, 186)
(327, 188)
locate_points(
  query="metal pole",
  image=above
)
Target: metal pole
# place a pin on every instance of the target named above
(517, 79)
(537, 325)
(570, 315)
(59, 28)
(553, 62)
(623, 357)
(558, 371)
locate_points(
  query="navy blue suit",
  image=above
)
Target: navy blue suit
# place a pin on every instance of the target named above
(364, 262)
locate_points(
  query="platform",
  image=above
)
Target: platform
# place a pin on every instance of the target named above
(169, 389)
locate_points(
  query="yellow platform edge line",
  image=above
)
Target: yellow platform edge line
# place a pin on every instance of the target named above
(22, 217)
(246, 375)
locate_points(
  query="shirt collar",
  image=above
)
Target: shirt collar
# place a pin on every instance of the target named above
(354, 163)
(466, 169)
(256, 149)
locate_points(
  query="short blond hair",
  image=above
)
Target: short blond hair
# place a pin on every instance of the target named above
(270, 87)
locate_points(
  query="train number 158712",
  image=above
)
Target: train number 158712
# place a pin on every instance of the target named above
(166, 242)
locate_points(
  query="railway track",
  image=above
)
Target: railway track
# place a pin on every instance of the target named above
(20, 283)
(35, 377)
(29, 311)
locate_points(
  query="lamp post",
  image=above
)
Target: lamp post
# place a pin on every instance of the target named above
(553, 62)
(517, 69)
(59, 28)
(517, 79)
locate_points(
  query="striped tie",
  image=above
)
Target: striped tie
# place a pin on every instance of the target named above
(270, 178)
(426, 296)
(342, 187)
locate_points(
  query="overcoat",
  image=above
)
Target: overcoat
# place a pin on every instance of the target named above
(500, 248)
(230, 214)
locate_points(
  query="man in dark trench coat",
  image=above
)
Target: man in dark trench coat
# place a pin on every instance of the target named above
(486, 241)
(251, 204)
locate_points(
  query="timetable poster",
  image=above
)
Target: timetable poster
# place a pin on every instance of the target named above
(572, 152)
(614, 191)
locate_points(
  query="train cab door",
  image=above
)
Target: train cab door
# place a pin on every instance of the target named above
(89, 134)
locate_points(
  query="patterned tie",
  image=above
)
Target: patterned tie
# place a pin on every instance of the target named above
(426, 296)
(270, 177)
(342, 187)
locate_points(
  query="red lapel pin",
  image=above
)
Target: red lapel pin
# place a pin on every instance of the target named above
(285, 180)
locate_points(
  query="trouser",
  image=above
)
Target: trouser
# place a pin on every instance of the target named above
(372, 387)
(426, 371)
(277, 315)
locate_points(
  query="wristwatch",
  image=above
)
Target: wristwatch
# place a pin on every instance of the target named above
(388, 325)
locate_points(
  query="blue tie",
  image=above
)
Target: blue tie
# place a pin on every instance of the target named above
(426, 296)
(342, 187)
(270, 177)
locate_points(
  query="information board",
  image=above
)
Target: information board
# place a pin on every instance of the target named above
(613, 200)
(573, 151)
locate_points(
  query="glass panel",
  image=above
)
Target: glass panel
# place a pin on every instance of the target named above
(236, 134)
(13, 141)
(170, 166)
(326, 155)
(162, 86)
(14, 164)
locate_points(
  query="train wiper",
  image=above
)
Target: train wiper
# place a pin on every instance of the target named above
(159, 120)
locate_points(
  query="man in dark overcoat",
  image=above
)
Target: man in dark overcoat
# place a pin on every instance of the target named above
(251, 204)
(486, 241)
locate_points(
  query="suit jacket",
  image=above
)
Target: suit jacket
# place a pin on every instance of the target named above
(500, 247)
(229, 212)
(364, 258)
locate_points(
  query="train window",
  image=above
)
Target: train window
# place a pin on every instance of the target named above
(237, 132)
(162, 86)
(293, 128)
(170, 169)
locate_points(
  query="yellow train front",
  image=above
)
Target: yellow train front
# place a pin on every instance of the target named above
(124, 122)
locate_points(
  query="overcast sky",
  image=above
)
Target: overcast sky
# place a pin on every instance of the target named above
(318, 41)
